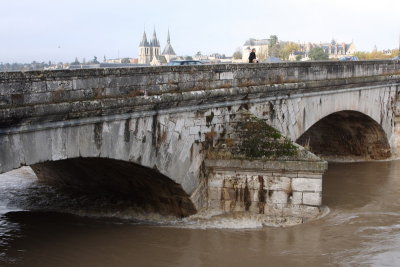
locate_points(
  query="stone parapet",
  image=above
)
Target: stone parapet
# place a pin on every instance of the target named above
(68, 94)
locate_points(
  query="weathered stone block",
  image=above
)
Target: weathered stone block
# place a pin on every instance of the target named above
(285, 174)
(274, 209)
(254, 207)
(228, 194)
(254, 195)
(215, 182)
(188, 123)
(226, 75)
(300, 211)
(251, 165)
(227, 205)
(252, 182)
(229, 182)
(200, 122)
(279, 183)
(310, 175)
(313, 199)
(279, 197)
(180, 123)
(214, 193)
(215, 204)
(297, 198)
(237, 206)
(194, 130)
(304, 184)
(205, 129)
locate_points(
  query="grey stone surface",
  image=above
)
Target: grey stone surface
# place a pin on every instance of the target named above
(304, 184)
(313, 199)
(270, 192)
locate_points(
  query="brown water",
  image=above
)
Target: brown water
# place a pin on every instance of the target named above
(362, 229)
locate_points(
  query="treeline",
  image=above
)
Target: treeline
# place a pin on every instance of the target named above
(377, 54)
(24, 66)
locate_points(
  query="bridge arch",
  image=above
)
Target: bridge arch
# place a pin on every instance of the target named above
(160, 143)
(347, 134)
(144, 188)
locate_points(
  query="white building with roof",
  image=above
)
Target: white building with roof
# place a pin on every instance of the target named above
(334, 49)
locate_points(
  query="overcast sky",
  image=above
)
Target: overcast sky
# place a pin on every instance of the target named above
(60, 30)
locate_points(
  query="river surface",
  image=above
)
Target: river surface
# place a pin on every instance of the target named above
(40, 226)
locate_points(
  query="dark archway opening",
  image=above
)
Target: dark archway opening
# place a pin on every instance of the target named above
(145, 188)
(346, 135)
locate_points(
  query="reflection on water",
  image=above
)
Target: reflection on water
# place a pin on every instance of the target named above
(363, 228)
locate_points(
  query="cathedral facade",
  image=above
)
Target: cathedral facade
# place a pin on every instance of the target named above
(149, 51)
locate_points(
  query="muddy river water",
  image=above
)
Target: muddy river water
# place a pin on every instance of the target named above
(40, 226)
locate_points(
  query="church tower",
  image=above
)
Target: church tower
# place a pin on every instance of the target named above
(148, 49)
(144, 50)
(155, 45)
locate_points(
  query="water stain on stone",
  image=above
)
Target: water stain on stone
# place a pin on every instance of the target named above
(261, 195)
(209, 119)
(154, 131)
(98, 134)
(127, 133)
(271, 111)
(246, 197)
(244, 106)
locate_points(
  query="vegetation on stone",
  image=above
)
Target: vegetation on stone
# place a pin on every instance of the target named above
(254, 139)
(259, 140)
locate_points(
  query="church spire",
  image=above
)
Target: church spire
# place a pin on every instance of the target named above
(155, 42)
(144, 40)
(168, 50)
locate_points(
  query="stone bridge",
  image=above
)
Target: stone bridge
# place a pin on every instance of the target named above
(146, 130)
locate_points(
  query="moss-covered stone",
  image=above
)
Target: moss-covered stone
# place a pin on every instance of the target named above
(257, 139)
(253, 139)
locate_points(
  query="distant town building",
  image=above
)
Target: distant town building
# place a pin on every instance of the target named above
(387, 52)
(261, 47)
(149, 51)
(334, 49)
(199, 56)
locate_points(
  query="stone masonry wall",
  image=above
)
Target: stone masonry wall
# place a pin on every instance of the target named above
(282, 192)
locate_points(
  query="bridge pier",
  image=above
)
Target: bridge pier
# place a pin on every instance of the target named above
(278, 192)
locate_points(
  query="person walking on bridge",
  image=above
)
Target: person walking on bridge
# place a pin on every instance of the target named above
(252, 56)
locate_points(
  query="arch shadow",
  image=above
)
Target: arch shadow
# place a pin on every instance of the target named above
(346, 135)
(146, 188)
